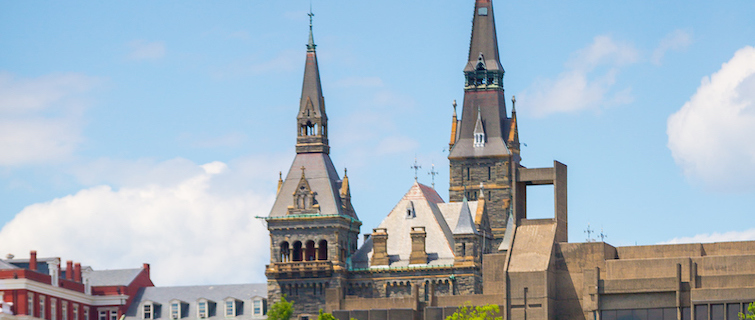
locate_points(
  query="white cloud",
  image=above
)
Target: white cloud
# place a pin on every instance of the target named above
(586, 83)
(676, 40)
(746, 235)
(194, 230)
(40, 118)
(143, 50)
(711, 136)
(284, 61)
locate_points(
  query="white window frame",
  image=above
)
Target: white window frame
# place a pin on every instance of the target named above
(64, 310)
(53, 309)
(75, 312)
(206, 305)
(258, 307)
(30, 306)
(86, 313)
(175, 309)
(113, 314)
(232, 304)
(42, 307)
(148, 314)
(103, 315)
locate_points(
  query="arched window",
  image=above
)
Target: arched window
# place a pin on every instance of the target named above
(297, 251)
(285, 253)
(310, 251)
(322, 250)
(463, 249)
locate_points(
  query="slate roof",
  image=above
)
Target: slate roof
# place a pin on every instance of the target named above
(465, 224)
(323, 180)
(5, 266)
(484, 38)
(118, 277)
(191, 294)
(430, 212)
(451, 211)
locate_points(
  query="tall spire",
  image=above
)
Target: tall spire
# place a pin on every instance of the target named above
(312, 122)
(483, 46)
(311, 45)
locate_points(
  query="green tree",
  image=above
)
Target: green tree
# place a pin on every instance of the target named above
(468, 312)
(281, 310)
(325, 316)
(750, 314)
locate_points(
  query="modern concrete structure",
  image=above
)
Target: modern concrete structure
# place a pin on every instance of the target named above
(428, 256)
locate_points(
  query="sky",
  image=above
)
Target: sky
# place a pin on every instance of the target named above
(153, 131)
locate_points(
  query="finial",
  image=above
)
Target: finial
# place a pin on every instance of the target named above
(416, 167)
(454, 104)
(302, 171)
(433, 173)
(280, 175)
(513, 103)
(345, 172)
(311, 45)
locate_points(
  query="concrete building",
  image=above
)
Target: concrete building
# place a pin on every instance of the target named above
(428, 256)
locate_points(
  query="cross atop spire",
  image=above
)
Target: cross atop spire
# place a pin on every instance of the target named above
(416, 168)
(311, 45)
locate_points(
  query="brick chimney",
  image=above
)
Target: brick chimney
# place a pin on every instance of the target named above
(69, 270)
(145, 266)
(33, 260)
(419, 255)
(77, 272)
(379, 247)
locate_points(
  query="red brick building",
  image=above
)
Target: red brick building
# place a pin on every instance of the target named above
(43, 288)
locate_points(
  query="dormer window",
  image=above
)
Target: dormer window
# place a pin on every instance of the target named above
(176, 309)
(410, 213)
(231, 306)
(259, 307)
(148, 311)
(205, 308)
(479, 131)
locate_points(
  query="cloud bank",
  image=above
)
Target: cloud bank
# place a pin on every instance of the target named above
(586, 83)
(194, 223)
(711, 137)
(716, 237)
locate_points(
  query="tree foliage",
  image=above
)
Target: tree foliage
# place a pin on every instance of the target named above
(468, 312)
(750, 314)
(325, 316)
(281, 310)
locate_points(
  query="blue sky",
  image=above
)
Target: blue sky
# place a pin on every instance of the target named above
(147, 131)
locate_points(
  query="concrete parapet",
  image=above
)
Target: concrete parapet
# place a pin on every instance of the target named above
(640, 285)
(646, 268)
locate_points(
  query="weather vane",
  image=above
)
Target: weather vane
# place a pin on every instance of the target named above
(589, 233)
(433, 173)
(416, 167)
(602, 235)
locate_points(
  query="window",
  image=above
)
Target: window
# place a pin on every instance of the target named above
(30, 304)
(103, 315)
(202, 309)
(175, 310)
(42, 307)
(490, 173)
(75, 312)
(230, 308)
(64, 310)
(147, 311)
(113, 315)
(257, 305)
(86, 313)
(53, 309)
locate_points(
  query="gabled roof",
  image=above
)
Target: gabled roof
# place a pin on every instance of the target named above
(438, 242)
(118, 277)
(4, 265)
(192, 294)
(465, 224)
(323, 181)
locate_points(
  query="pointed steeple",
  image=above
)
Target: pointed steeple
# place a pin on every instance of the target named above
(479, 131)
(345, 192)
(465, 224)
(312, 122)
(513, 140)
(454, 124)
(483, 46)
